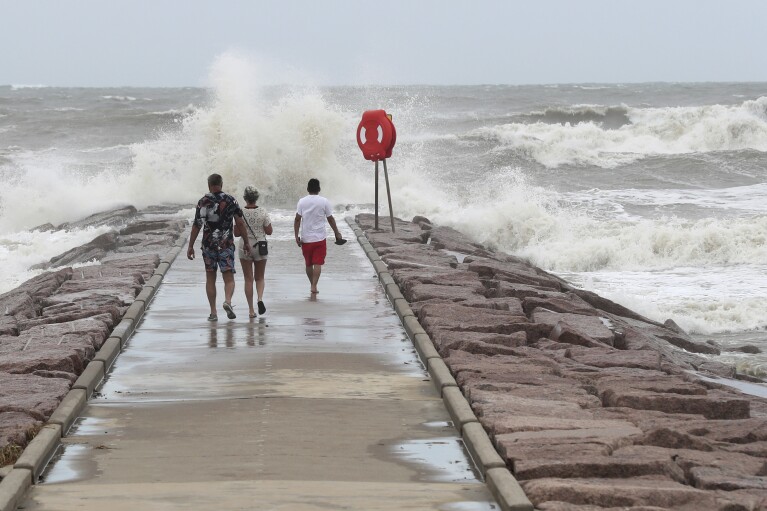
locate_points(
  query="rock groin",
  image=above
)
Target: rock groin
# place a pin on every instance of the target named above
(52, 326)
(589, 404)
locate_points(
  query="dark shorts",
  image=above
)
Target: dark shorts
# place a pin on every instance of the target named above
(315, 252)
(218, 259)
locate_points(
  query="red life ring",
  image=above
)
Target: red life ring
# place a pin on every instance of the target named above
(379, 135)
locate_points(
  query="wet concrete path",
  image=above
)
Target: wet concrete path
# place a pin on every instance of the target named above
(320, 404)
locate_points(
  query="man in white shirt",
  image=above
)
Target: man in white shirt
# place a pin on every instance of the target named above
(311, 213)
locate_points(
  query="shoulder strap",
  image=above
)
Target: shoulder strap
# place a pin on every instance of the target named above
(249, 228)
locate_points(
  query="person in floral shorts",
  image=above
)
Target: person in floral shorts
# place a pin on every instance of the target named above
(215, 214)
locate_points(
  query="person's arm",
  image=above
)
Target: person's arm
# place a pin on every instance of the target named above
(268, 225)
(192, 238)
(296, 226)
(332, 222)
(240, 223)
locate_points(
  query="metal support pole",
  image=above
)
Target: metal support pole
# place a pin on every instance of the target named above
(376, 224)
(388, 195)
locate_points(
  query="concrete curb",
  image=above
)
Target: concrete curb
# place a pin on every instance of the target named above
(42, 448)
(498, 478)
(123, 331)
(458, 408)
(13, 487)
(108, 352)
(481, 449)
(507, 490)
(40, 451)
(440, 374)
(69, 409)
(91, 377)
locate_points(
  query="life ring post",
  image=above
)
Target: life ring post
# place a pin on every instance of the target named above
(376, 223)
(376, 136)
(388, 195)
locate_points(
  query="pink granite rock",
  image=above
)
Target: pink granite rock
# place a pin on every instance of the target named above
(473, 319)
(609, 306)
(541, 399)
(73, 314)
(447, 340)
(502, 289)
(124, 287)
(447, 238)
(417, 292)
(568, 303)
(413, 258)
(660, 492)
(513, 273)
(113, 217)
(48, 357)
(712, 406)
(617, 465)
(16, 429)
(32, 395)
(490, 402)
(575, 328)
(605, 357)
(9, 325)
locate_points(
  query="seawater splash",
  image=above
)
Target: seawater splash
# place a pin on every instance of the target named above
(277, 146)
(21, 250)
(650, 131)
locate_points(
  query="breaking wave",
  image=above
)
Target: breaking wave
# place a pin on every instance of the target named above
(589, 139)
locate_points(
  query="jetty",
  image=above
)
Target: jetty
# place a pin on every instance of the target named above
(429, 373)
(322, 403)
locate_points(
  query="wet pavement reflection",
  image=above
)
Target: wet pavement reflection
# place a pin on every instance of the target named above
(320, 388)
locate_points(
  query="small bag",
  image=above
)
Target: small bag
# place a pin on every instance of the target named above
(261, 246)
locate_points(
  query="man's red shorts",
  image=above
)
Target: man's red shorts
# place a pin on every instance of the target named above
(314, 253)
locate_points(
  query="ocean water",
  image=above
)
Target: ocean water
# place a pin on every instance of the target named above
(652, 195)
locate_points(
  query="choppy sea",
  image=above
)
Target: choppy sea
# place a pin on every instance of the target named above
(653, 195)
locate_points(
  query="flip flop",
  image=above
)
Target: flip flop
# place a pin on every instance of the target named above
(261, 307)
(252, 316)
(212, 317)
(229, 312)
(341, 241)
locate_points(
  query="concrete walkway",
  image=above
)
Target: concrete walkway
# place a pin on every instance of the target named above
(321, 404)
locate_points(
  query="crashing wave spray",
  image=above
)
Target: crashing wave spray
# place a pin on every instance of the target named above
(276, 148)
(651, 131)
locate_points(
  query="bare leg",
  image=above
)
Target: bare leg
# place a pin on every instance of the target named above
(309, 273)
(210, 290)
(260, 270)
(247, 274)
(316, 271)
(228, 277)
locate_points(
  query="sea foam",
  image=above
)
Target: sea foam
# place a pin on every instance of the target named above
(651, 131)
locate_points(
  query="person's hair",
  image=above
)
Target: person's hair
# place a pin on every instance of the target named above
(215, 180)
(313, 186)
(251, 194)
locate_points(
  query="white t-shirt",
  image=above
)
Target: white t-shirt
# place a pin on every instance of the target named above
(314, 209)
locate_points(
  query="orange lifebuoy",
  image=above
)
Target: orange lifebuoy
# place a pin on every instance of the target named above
(379, 135)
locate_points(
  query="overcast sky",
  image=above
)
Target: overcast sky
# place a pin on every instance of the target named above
(175, 42)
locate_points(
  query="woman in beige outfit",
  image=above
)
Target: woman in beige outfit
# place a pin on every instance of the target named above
(258, 225)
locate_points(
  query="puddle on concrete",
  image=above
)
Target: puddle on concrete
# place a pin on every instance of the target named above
(92, 426)
(439, 424)
(752, 389)
(74, 462)
(440, 459)
(469, 506)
